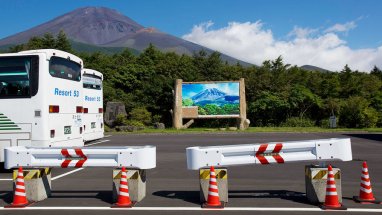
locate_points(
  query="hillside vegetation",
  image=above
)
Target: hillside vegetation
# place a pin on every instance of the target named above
(277, 94)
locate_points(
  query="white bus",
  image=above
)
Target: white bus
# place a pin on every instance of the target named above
(40, 99)
(93, 105)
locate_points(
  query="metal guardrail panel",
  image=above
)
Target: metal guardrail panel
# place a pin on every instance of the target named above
(142, 157)
(335, 149)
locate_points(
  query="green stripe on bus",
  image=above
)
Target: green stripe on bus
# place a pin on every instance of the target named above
(4, 129)
(5, 120)
(8, 123)
(9, 126)
(3, 117)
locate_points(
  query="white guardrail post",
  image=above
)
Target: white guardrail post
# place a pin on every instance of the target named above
(335, 149)
(141, 157)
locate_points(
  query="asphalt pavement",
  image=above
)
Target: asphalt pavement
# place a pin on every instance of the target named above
(173, 189)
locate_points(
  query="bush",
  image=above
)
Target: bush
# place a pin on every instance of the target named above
(141, 115)
(356, 113)
(107, 128)
(119, 120)
(371, 117)
(297, 122)
(156, 118)
(134, 123)
(324, 123)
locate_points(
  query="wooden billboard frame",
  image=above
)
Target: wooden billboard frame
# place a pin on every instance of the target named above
(178, 108)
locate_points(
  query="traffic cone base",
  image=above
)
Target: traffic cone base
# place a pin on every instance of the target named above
(116, 205)
(19, 205)
(218, 206)
(366, 201)
(339, 207)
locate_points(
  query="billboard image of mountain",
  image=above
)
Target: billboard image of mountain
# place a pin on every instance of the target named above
(212, 98)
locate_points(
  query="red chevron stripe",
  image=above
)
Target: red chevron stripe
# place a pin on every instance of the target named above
(81, 162)
(277, 149)
(259, 156)
(66, 162)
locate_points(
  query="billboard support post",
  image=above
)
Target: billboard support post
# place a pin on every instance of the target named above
(243, 106)
(177, 114)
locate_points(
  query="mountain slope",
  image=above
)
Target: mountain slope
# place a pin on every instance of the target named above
(104, 27)
(89, 25)
(313, 68)
(208, 94)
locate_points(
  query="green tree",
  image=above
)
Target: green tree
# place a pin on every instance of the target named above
(35, 43)
(302, 99)
(376, 72)
(268, 109)
(356, 113)
(62, 42)
(48, 41)
(141, 115)
(187, 102)
(211, 109)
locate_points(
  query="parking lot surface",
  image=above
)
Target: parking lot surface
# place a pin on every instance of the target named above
(173, 189)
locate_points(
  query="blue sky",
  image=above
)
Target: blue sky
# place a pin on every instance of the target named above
(189, 90)
(349, 28)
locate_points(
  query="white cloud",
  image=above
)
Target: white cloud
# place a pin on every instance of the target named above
(229, 88)
(342, 27)
(302, 32)
(252, 42)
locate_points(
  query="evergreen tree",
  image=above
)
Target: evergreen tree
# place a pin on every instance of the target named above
(377, 72)
(62, 42)
(48, 41)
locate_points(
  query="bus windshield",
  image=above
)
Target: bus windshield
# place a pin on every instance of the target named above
(92, 82)
(15, 77)
(65, 68)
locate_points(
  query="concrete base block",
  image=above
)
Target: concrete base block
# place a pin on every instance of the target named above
(136, 180)
(222, 180)
(37, 183)
(315, 183)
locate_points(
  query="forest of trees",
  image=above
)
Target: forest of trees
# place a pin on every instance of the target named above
(277, 94)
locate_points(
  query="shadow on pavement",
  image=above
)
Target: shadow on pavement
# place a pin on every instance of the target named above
(375, 137)
(280, 194)
(188, 196)
(193, 196)
(6, 196)
(105, 196)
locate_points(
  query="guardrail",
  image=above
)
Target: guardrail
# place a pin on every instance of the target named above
(335, 149)
(142, 157)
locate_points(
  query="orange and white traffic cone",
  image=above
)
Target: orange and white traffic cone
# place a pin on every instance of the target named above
(365, 193)
(213, 200)
(331, 197)
(20, 197)
(123, 196)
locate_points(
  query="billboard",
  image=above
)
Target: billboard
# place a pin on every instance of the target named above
(212, 99)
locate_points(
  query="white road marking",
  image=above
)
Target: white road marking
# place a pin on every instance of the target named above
(106, 136)
(65, 174)
(101, 141)
(6, 179)
(363, 210)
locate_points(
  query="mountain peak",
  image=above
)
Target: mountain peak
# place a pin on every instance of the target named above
(208, 94)
(91, 25)
(105, 27)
